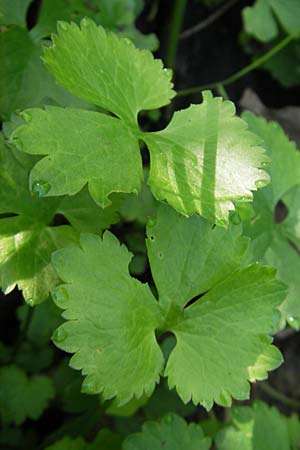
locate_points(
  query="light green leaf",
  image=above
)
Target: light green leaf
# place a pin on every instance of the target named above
(24, 80)
(223, 338)
(171, 433)
(27, 238)
(22, 397)
(255, 428)
(206, 160)
(261, 19)
(276, 243)
(13, 12)
(285, 158)
(83, 147)
(238, 314)
(111, 320)
(188, 257)
(138, 81)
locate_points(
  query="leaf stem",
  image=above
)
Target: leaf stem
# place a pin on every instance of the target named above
(282, 398)
(241, 73)
(178, 14)
(23, 332)
(208, 20)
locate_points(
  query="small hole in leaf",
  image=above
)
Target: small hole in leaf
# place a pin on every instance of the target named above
(281, 212)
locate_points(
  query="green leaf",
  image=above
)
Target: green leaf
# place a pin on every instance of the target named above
(116, 15)
(260, 20)
(193, 257)
(13, 12)
(83, 147)
(229, 322)
(285, 158)
(277, 242)
(68, 443)
(205, 160)
(22, 397)
(113, 330)
(255, 428)
(285, 65)
(24, 80)
(27, 238)
(138, 82)
(223, 337)
(171, 433)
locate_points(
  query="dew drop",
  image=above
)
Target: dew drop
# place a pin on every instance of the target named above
(264, 164)
(235, 218)
(30, 302)
(160, 255)
(60, 295)
(89, 387)
(59, 335)
(40, 187)
(261, 183)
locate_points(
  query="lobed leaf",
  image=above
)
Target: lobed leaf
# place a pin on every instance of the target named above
(22, 397)
(107, 71)
(171, 433)
(205, 160)
(222, 319)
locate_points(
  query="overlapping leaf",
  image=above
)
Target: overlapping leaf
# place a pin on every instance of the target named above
(27, 238)
(203, 162)
(258, 427)
(171, 433)
(223, 338)
(261, 19)
(22, 397)
(276, 241)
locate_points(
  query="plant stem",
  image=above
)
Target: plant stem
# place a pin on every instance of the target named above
(177, 19)
(282, 398)
(209, 20)
(23, 332)
(241, 73)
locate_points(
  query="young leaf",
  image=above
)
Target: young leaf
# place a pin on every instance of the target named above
(261, 19)
(205, 160)
(111, 327)
(107, 71)
(171, 433)
(258, 427)
(222, 338)
(22, 397)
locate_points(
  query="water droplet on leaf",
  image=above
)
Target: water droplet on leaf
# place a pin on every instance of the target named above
(89, 387)
(30, 302)
(60, 295)
(40, 187)
(235, 218)
(59, 335)
(261, 183)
